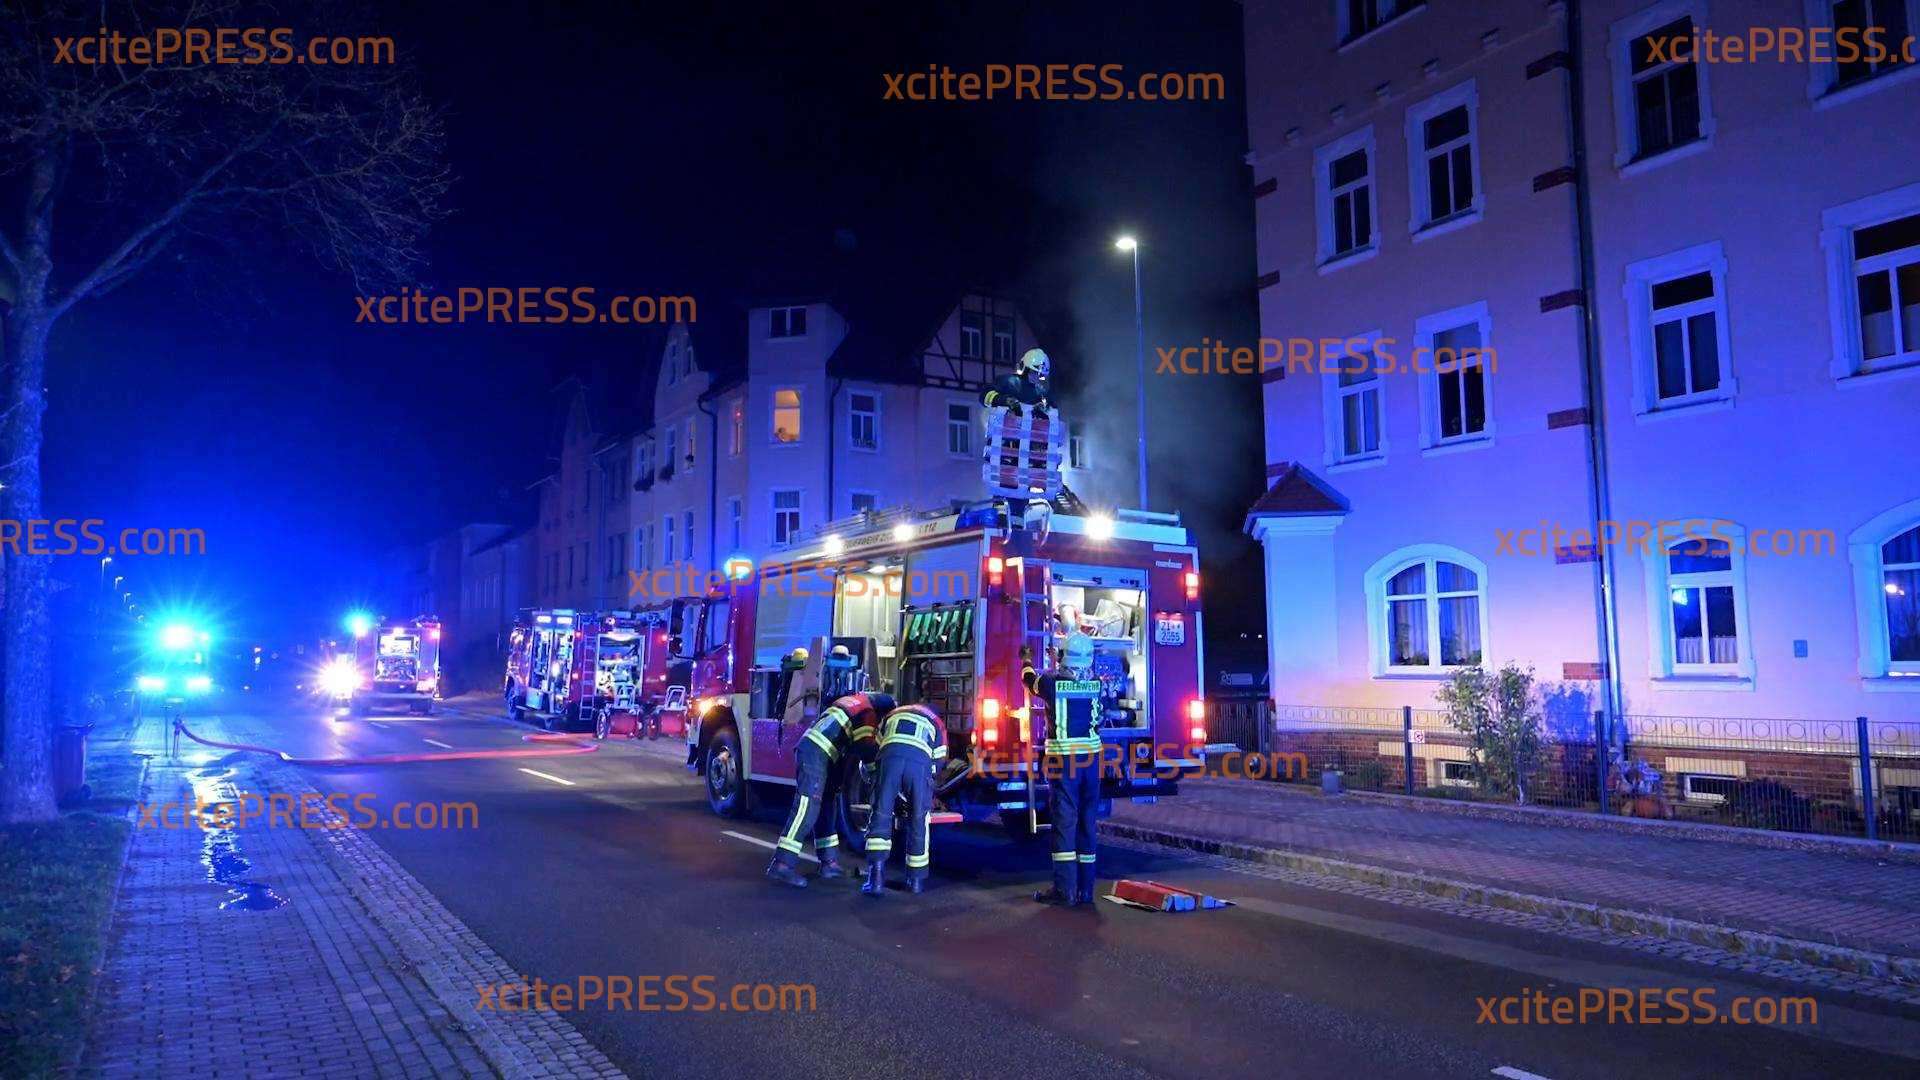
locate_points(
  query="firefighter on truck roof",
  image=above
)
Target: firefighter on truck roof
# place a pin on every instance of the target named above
(846, 731)
(1073, 701)
(1025, 389)
(913, 741)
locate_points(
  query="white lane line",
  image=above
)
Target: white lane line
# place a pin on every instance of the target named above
(437, 743)
(377, 723)
(548, 776)
(1512, 1073)
(772, 846)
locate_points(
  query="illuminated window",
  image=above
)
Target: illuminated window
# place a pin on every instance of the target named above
(786, 416)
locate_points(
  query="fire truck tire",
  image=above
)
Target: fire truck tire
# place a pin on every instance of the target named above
(726, 783)
(601, 722)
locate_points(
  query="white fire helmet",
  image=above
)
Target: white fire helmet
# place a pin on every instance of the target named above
(1078, 655)
(1035, 366)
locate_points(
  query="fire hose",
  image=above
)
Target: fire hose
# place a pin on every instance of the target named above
(572, 747)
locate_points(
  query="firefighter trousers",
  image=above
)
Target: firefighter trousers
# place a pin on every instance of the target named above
(816, 806)
(1073, 803)
(903, 770)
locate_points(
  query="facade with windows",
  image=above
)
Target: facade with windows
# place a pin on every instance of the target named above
(1731, 347)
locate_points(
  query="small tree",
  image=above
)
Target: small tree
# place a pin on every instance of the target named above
(1497, 713)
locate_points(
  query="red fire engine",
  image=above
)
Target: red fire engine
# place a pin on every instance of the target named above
(607, 670)
(938, 611)
(396, 662)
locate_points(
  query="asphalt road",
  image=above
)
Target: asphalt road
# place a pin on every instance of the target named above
(610, 864)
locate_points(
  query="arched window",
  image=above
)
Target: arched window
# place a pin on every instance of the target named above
(1900, 590)
(1426, 611)
(1886, 578)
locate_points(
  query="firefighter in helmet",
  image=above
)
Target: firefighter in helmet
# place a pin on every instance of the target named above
(845, 733)
(913, 742)
(1072, 697)
(1025, 389)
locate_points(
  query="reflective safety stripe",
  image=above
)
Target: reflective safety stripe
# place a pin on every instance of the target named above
(789, 840)
(879, 843)
(824, 743)
(939, 752)
(830, 841)
(863, 732)
(1088, 744)
(910, 740)
(1087, 858)
(1063, 856)
(788, 845)
(916, 862)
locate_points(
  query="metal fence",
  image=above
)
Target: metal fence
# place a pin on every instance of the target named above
(1786, 775)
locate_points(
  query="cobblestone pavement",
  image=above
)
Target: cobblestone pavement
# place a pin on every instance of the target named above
(1849, 900)
(295, 952)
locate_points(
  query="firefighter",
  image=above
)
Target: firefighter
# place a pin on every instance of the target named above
(846, 731)
(1025, 389)
(1073, 701)
(913, 741)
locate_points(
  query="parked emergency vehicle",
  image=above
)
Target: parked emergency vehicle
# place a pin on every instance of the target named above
(397, 663)
(939, 612)
(571, 669)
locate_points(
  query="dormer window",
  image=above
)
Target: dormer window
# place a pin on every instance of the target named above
(788, 322)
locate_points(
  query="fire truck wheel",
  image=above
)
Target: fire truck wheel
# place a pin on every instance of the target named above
(601, 724)
(726, 784)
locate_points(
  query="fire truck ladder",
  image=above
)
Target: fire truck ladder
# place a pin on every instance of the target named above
(1036, 638)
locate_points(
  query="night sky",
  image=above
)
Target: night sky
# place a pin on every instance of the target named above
(737, 151)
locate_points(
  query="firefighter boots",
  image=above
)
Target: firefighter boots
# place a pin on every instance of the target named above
(876, 883)
(780, 872)
(830, 865)
(1053, 897)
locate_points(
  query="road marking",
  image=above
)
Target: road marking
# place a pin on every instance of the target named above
(378, 724)
(437, 743)
(1512, 1073)
(763, 843)
(548, 776)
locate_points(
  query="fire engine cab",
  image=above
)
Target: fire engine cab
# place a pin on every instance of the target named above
(939, 611)
(605, 670)
(398, 663)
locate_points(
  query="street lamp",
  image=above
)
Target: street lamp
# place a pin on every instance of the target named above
(1130, 245)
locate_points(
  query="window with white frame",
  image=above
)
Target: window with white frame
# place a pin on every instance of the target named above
(959, 429)
(1677, 319)
(859, 502)
(644, 466)
(1076, 449)
(1707, 787)
(735, 513)
(1002, 339)
(1457, 774)
(1872, 247)
(1700, 601)
(642, 549)
(736, 428)
(1660, 99)
(686, 533)
(1426, 607)
(1442, 149)
(786, 515)
(787, 322)
(668, 447)
(1869, 39)
(693, 442)
(973, 328)
(1346, 205)
(786, 417)
(666, 540)
(1354, 397)
(1885, 553)
(673, 362)
(1666, 89)
(1358, 17)
(1453, 361)
(863, 420)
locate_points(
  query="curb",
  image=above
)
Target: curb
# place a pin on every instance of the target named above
(99, 961)
(1553, 817)
(1617, 920)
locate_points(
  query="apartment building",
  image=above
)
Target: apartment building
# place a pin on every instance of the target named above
(768, 422)
(1569, 276)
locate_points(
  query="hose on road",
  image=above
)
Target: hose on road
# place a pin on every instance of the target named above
(573, 746)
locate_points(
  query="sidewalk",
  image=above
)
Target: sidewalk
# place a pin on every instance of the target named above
(279, 951)
(1834, 899)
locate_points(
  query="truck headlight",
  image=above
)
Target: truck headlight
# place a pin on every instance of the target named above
(153, 684)
(199, 684)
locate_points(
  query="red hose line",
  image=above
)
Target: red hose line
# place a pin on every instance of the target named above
(573, 747)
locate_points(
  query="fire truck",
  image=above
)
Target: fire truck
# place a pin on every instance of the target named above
(570, 669)
(396, 662)
(940, 610)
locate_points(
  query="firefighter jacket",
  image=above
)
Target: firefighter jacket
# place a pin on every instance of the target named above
(1074, 707)
(916, 727)
(850, 723)
(1014, 392)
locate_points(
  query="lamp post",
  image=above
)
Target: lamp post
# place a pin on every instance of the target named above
(1132, 246)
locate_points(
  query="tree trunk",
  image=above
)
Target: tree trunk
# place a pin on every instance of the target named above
(26, 753)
